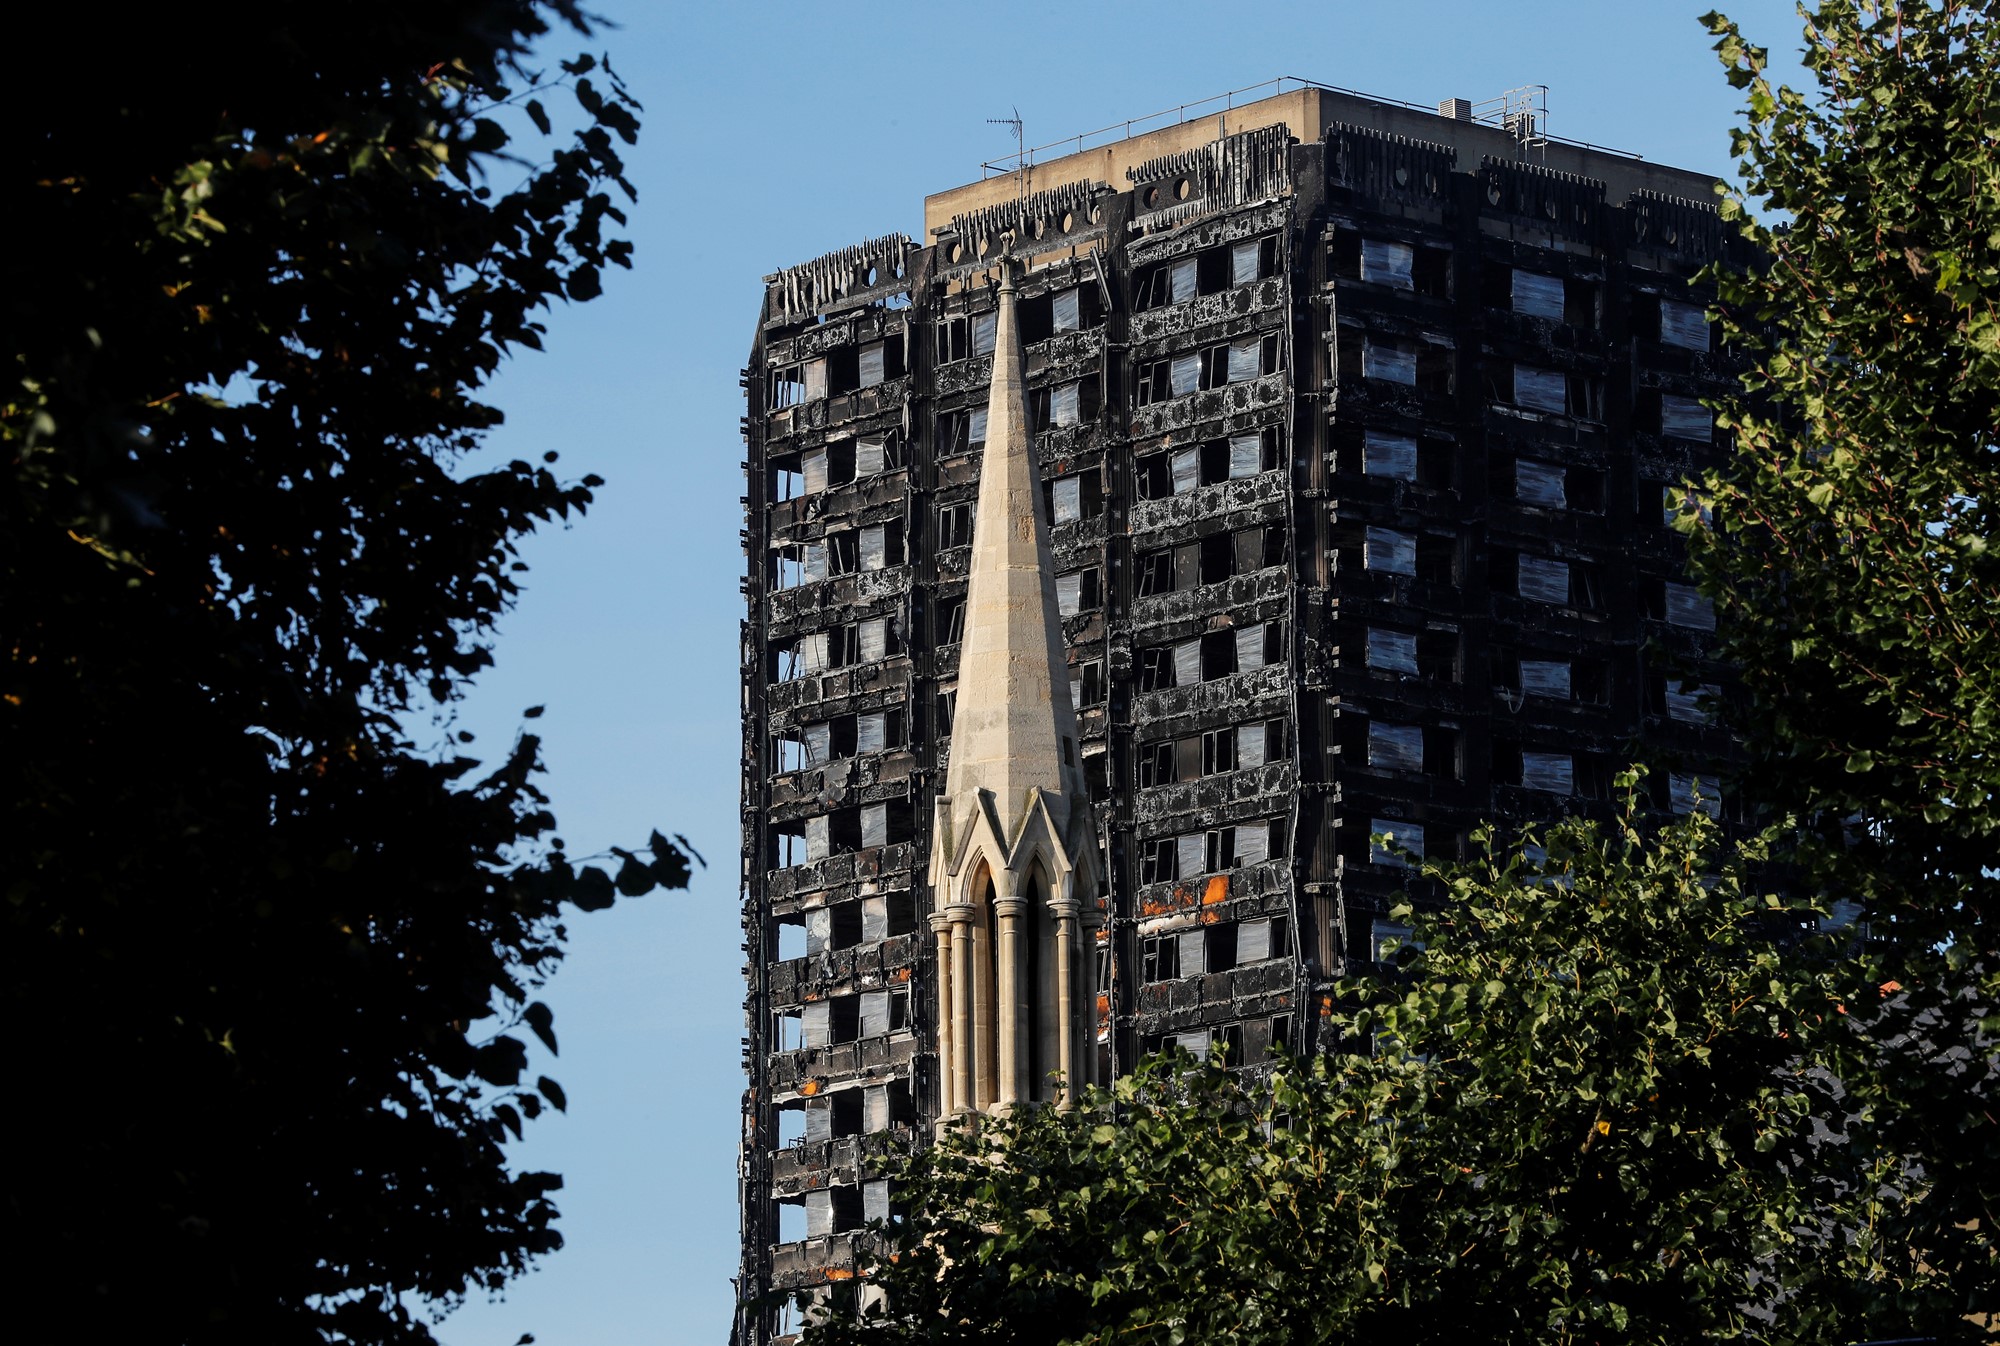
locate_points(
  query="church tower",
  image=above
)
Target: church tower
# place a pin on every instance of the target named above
(1014, 865)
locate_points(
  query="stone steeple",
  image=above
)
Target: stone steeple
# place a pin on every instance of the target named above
(1014, 866)
(1011, 732)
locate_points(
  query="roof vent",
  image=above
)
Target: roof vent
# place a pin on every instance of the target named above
(1458, 109)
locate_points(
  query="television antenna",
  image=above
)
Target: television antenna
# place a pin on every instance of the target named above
(1015, 124)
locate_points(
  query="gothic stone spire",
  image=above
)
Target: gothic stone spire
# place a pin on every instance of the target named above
(1013, 865)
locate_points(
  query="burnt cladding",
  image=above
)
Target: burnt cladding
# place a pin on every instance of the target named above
(1360, 432)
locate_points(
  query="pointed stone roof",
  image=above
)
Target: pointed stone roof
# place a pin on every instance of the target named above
(1013, 728)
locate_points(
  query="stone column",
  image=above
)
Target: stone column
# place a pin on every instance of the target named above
(1013, 1000)
(960, 916)
(1064, 909)
(946, 1014)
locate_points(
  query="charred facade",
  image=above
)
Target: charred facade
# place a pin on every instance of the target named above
(1360, 430)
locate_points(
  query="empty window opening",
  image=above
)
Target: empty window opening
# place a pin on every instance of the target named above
(844, 1113)
(1685, 418)
(1391, 651)
(1252, 259)
(1589, 682)
(1281, 1033)
(1237, 361)
(1156, 669)
(1074, 498)
(1683, 325)
(1064, 405)
(1216, 653)
(1387, 455)
(833, 1210)
(1547, 678)
(1548, 391)
(1542, 578)
(792, 385)
(961, 432)
(1541, 389)
(1390, 551)
(1402, 836)
(1219, 947)
(953, 340)
(954, 526)
(883, 1012)
(1442, 753)
(791, 1221)
(1171, 471)
(783, 478)
(1680, 605)
(1539, 483)
(875, 454)
(1688, 791)
(1395, 747)
(1388, 360)
(1157, 860)
(1387, 938)
(1086, 684)
(1182, 278)
(1209, 560)
(948, 620)
(1438, 656)
(829, 465)
(1584, 487)
(1437, 559)
(1428, 366)
(837, 926)
(966, 335)
(1554, 772)
(1569, 302)
(888, 1105)
(1262, 939)
(1066, 310)
(1688, 702)
(788, 1030)
(1078, 591)
(1418, 268)
(788, 567)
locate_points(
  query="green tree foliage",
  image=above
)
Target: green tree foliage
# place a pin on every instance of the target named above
(1852, 549)
(1853, 563)
(269, 960)
(1586, 1119)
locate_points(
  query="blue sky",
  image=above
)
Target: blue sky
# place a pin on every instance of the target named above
(774, 134)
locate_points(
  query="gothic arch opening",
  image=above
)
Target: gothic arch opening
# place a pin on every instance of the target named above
(985, 993)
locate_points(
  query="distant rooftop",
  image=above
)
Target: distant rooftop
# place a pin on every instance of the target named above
(1511, 125)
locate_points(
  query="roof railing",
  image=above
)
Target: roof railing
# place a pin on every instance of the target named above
(1530, 115)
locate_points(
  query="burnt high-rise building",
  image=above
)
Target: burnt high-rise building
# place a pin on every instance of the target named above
(1354, 431)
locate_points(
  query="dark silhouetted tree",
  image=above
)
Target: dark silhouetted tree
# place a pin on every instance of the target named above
(270, 960)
